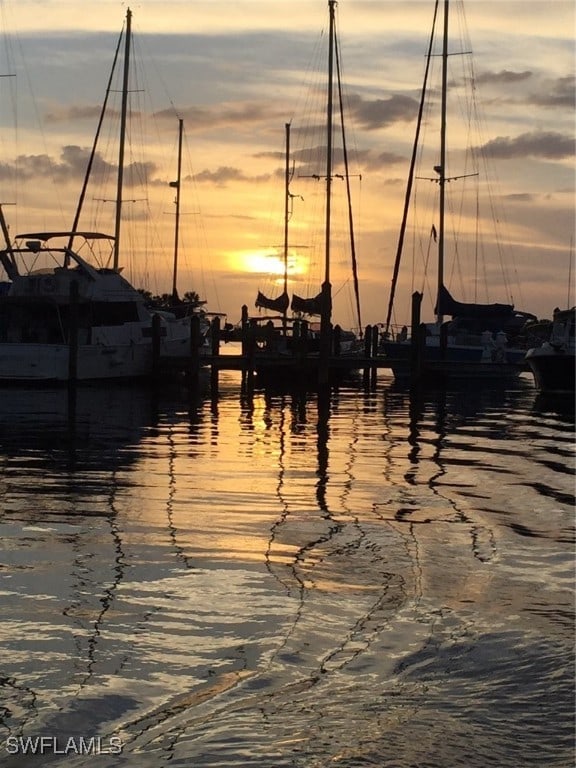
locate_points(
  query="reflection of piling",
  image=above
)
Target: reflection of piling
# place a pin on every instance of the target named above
(417, 339)
(73, 321)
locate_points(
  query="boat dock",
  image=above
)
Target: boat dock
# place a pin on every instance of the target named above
(259, 355)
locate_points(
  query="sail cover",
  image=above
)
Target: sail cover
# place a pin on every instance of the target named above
(448, 306)
(307, 306)
(279, 304)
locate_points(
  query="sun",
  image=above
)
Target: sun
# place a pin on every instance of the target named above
(270, 263)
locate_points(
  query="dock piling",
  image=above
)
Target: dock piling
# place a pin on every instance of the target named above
(73, 333)
(215, 350)
(374, 353)
(416, 346)
(156, 336)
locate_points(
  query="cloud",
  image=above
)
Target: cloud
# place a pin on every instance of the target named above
(228, 115)
(383, 160)
(72, 165)
(66, 114)
(382, 113)
(35, 167)
(225, 174)
(558, 93)
(547, 144)
(549, 93)
(521, 197)
(504, 76)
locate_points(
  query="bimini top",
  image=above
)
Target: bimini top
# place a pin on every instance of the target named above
(49, 235)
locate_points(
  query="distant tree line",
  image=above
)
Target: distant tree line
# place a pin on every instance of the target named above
(168, 300)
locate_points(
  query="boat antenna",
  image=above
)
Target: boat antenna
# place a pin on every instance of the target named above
(93, 153)
(122, 138)
(348, 193)
(408, 195)
(177, 224)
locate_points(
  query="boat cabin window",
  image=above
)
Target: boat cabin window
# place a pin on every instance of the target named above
(114, 312)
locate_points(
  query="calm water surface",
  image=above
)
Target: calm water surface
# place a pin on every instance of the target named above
(268, 580)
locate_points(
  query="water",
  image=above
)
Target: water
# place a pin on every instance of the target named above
(272, 581)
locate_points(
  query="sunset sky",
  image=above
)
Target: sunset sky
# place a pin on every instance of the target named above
(236, 73)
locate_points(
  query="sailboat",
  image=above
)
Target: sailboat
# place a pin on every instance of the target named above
(478, 340)
(61, 317)
(319, 341)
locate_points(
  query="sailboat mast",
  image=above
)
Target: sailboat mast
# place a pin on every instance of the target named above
(93, 152)
(329, 121)
(177, 224)
(408, 194)
(442, 168)
(326, 308)
(286, 215)
(123, 115)
(348, 192)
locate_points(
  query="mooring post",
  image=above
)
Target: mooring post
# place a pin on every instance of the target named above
(215, 337)
(156, 338)
(269, 337)
(443, 340)
(215, 349)
(195, 342)
(244, 342)
(415, 339)
(251, 333)
(73, 333)
(367, 350)
(302, 345)
(374, 355)
(244, 328)
(337, 340)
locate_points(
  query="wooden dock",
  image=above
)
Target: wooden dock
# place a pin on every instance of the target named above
(261, 357)
(264, 356)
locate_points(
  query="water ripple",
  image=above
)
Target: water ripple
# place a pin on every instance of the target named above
(371, 579)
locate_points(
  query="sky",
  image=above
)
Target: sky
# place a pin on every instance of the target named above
(236, 73)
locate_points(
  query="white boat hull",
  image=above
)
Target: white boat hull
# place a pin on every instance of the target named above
(50, 362)
(554, 371)
(128, 359)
